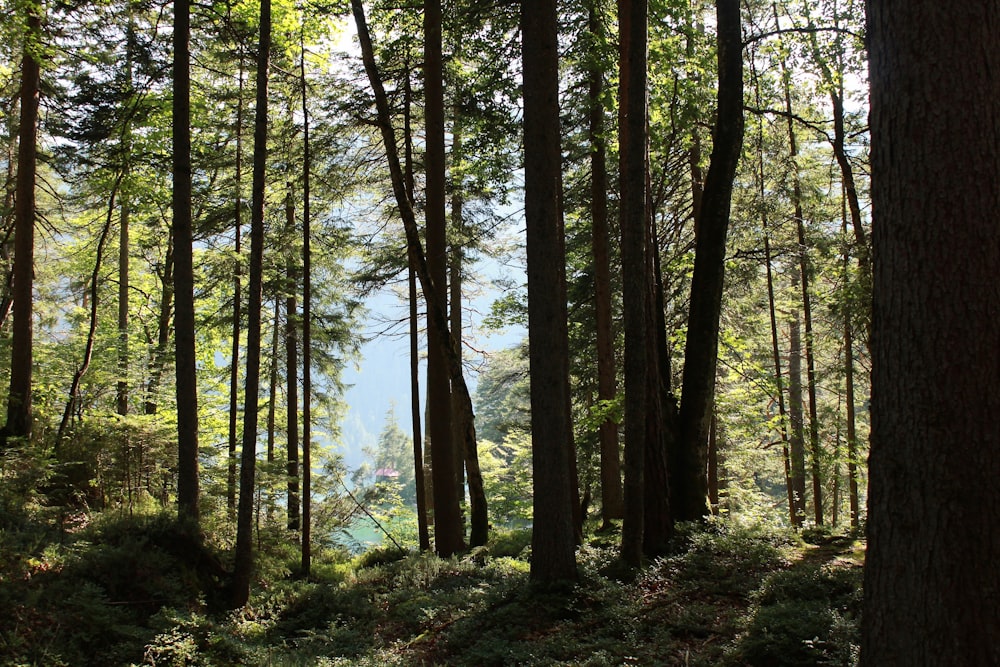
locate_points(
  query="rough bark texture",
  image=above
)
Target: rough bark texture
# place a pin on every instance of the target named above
(243, 564)
(635, 280)
(183, 237)
(19, 416)
(689, 490)
(448, 538)
(612, 506)
(932, 588)
(553, 538)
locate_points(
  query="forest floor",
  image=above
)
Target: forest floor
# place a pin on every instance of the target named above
(127, 592)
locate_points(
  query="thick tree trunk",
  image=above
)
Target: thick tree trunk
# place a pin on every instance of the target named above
(689, 491)
(932, 594)
(243, 565)
(19, 413)
(183, 236)
(448, 538)
(611, 472)
(636, 304)
(553, 539)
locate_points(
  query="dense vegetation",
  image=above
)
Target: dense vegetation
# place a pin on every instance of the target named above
(669, 468)
(124, 590)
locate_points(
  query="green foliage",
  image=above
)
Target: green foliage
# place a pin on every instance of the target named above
(806, 616)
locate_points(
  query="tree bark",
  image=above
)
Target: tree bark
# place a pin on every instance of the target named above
(418, 452)
(689, 492)
(448, 538)
(183, 236)
(243, 565)
(931, 595)
(796, 415)
(553, 538)
(611, 473)
(19, 409)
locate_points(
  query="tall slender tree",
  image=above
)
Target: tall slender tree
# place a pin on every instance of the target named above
(307, 300)
(19, 414)
(243, 567)
(611, 480)
(448, 537)
(183, 255)
(553, 537)
(689, 490)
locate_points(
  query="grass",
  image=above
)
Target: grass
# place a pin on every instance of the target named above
(730, 594)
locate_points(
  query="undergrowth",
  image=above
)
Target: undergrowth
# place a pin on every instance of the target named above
(121, 592)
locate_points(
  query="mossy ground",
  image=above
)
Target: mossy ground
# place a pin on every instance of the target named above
(731, 594)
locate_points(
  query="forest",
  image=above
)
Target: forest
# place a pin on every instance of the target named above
(747, 251)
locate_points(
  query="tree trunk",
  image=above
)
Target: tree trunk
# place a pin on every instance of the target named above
(448, 538)
(243, 566)
(611, 472)
(88, 352)
(852, 437)
(776, 355)
(418, 453)
(632, 17)
(803, 255)
(442, 337)
(19, 414)
(689, 490)
(553, 539)
(183, 236)
(796, 415)
(272, 407)
(291, 371)
(159, 354)
(234, 368)
(306, 320)
(932, 595)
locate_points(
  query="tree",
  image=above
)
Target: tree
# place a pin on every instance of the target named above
(447, 515)
(689, 492)
(930, 597)
(243, 567)
(183, 293)
(611, 480)
(552, 537)
(19, 418)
